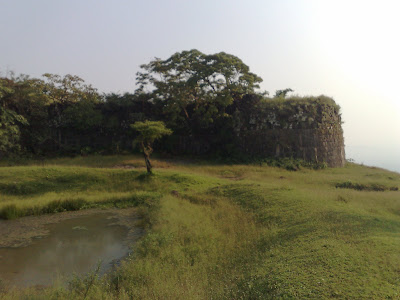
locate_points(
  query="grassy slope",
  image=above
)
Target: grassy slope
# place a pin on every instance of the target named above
(237, 232)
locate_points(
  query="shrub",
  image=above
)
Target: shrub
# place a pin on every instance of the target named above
(376, 187)
(10, 212)
(64, 205)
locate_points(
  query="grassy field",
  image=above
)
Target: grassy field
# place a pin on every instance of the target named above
(224, 231)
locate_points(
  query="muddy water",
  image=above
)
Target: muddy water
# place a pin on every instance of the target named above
(74, 246)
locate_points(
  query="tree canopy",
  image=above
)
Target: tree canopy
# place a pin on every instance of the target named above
(194, 88)
(193, 93)
(9, 120)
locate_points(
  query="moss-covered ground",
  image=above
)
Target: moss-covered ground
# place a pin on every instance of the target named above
(224, 231)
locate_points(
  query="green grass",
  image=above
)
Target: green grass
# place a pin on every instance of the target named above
(225, 231)
(33, 190)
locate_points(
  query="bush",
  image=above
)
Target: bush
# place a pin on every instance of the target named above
(376, 187)
(64, 205)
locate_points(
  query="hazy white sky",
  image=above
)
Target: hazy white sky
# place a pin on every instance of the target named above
(349, 50)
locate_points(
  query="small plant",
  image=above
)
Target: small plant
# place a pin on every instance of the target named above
(83, 285)
(85, 151)
(10, 212)
(148, 132)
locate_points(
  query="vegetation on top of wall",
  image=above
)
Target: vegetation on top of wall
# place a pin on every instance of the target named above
(299, 108)
(288, 113)
(299, 100)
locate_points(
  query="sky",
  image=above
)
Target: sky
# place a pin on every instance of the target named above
(345, 49)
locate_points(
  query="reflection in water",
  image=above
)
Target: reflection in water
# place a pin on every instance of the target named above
(73, 246)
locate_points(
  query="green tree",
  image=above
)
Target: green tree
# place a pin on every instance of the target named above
(83, 116)
(9, 121)
(282, 93)
(27, 100)
(64, 92)
(194, 88)
(148, 132)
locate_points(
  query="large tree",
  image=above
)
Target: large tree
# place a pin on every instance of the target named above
(194, 88)
(63, 93)
(10, 120)
(27, 100)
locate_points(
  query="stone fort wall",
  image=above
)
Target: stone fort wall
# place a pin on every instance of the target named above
(307, 128)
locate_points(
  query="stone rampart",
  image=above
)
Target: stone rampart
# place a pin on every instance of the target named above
(306, 128)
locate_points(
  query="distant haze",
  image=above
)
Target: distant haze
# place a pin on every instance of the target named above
(348, 50)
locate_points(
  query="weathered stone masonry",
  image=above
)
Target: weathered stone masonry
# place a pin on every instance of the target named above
(309, 129)
(306, 128)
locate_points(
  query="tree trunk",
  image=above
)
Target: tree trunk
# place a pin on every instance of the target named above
(59, 138)
(148, 164)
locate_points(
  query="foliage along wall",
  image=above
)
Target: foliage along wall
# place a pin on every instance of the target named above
(62, 115)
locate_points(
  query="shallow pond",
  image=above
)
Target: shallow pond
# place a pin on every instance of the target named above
(74, 246)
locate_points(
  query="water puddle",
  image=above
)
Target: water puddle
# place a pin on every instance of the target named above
(74, 246)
